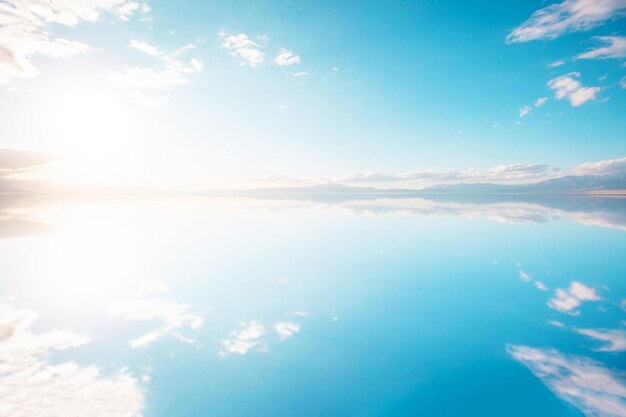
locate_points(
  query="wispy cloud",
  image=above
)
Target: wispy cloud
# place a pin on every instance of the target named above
(615, 48)
(24, 30)
(145, 48)
(245, 339)
(586, 384)
(286, 329)
(500, 174)
(568, 300)
(13, 161)
(525, 276)
(149, 85)
(568, 87)
(528, 277)
(153, 305)
(525, 110)
(615, 340)
(286, 57)
(556, 63)
(610, 166)
(33, 386)
(568, 16)
(241, 46)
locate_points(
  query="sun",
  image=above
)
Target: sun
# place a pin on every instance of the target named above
(96, 131)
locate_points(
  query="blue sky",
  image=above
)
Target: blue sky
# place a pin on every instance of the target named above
(362, 87)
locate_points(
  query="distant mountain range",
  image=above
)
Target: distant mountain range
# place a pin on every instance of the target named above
(569, 185)
(573, 184)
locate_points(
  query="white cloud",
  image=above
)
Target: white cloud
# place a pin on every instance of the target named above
(300, 74)
(145, 48)
(142, 82)
(286, 329)
(541, 101)
(525, 111)
(525, 276)
(615, 339)
(151, 305)
(567, 301)
(610, 166)
(16, 160)
(127, 9)
(24, 30)
(184, 49)
(568, 87)
(286, 57)
(518, 171)
(568, 16)
(541, 286)
(556, 63)
(503, 173)
(243, 47)
(242, 341)
(586, 384)
(32, 386)
(622, 82)
(615, 48)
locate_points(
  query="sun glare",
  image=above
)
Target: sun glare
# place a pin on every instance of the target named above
(96, 131)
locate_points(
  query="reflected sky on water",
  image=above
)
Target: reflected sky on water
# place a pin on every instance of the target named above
(367, 307)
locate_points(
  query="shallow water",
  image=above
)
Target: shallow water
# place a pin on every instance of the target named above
(326, 307)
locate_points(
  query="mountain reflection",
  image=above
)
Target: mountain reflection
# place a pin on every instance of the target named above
(592, 211)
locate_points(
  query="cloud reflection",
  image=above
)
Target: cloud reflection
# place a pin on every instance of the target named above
(588, 385)
(32, 386)
(252, 336)
(568, 300)
(591, 211)
(14, 225)
(615, 340)
(245, 339)
(152, 305)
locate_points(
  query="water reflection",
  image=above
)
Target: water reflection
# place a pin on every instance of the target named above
(602, 212)
(151, 304)
(591, 211)
(13, 225)
(204, 306)
(32, 385)
(607, 212)
(585, 383)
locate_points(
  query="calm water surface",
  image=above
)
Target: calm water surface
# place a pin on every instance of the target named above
(336, 307)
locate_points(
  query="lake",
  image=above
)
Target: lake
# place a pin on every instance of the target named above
(329, 306)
